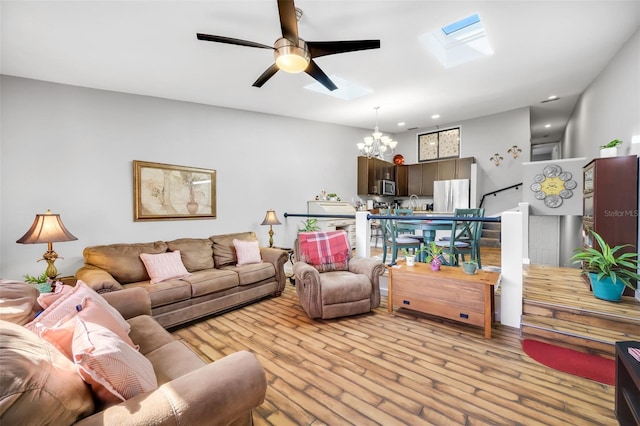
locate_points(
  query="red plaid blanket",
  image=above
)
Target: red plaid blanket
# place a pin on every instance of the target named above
(324, 248)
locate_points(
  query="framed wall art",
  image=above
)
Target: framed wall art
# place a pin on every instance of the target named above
(169, 192)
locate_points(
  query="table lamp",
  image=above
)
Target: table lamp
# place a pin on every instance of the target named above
(47, 228)
(271, 219)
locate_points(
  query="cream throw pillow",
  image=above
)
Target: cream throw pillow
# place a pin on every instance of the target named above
(247, 251)
(164, 266)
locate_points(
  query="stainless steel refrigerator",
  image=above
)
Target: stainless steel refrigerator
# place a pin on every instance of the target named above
(449, 195)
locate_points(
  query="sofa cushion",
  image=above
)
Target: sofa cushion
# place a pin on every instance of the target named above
(196, 253)
(164, 266)
(253, 273)
(115, 371)
(165, 292)
(344, 287)
(37, 381)
(211, 281)
(224, 253)
(123, 260)
(18, 302)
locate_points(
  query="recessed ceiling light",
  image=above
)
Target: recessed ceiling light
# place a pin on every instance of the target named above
(434, 116)
(547, 125)
(552, 97)
(402, 123)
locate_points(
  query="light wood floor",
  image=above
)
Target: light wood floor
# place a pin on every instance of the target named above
(399, 369)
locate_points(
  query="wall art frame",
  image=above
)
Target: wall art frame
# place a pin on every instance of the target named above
(171, 192)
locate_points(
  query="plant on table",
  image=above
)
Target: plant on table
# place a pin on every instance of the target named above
(42, 282)
(609, 269)
(434, 256)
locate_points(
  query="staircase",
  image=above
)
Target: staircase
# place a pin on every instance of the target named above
(558, 308)
(490, 234)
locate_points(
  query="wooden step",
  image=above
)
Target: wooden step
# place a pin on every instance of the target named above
(582, 337)
(559, 309)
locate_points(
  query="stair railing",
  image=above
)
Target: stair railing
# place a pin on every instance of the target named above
(497, 191)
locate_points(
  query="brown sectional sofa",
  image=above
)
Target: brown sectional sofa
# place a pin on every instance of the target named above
(39, 385)
(216, 282)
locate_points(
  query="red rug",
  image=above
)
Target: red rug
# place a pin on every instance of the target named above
(591, 367)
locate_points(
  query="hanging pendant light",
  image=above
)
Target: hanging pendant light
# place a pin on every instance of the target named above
(377, 145)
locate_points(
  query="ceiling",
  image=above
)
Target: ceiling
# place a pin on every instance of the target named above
(541, 48)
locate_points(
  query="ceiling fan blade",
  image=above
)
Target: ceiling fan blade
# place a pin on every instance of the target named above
(323, 48)
(266, 75)
(288, 21)
(229, 40)
(314, 71)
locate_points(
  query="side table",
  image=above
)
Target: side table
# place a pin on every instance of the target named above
(289, 251)
(627, 384)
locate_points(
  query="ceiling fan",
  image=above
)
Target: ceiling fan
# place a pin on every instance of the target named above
(292, 53)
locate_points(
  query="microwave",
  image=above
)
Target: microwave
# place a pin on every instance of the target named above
(387, 187)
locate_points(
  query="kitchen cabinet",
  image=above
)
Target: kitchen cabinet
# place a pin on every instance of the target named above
(606, 210)
(402, 181)
(372, 170)
(420, 177)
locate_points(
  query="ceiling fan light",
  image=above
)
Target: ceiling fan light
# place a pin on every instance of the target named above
(291, 58)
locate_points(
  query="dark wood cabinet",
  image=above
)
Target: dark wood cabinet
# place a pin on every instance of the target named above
(610, 202)
(420, 177)
(627, 405)
(430, 174)
(370, 172)
(463, 167)
(447, 169)
(402, 181)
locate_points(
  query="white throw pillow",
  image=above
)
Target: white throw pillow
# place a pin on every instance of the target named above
(164, 266)
(247, 251)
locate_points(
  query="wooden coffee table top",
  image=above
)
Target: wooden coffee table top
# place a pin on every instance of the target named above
(448, 272)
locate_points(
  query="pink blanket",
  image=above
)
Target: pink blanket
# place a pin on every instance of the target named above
(330, 249)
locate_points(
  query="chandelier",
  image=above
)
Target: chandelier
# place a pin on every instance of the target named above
(377, 145)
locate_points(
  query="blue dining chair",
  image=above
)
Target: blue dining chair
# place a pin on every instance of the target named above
(465, 237)
(392, 240)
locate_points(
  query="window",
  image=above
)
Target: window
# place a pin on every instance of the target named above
(439, 144)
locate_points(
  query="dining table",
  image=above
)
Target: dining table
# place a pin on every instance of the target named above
(428, 227)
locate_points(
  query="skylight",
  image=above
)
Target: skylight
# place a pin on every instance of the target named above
(463, 23)
(459, 42)
(345, 91)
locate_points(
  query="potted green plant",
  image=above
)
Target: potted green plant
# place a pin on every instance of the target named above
(469, 267)
(610, 149)
(434, 256)
(609, 270)
(410, 258)
(41, 282)
(309, 225)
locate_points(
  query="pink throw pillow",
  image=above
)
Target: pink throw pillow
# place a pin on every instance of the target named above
(61, 334)
(164, 266)
(47, 299)
(247, 251)
(115, 371)
(66, 305)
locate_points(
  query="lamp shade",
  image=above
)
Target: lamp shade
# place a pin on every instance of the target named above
(270, 218)
(47, 228)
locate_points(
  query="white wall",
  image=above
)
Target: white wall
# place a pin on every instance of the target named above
(608, 109)
(480, 138)
(610, 106)
(70, 149)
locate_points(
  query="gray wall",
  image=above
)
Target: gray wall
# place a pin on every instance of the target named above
(70, 149)
(480, 138)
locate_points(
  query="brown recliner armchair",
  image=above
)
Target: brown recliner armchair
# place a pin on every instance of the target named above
(345, 287)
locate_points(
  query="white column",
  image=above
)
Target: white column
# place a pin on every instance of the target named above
(511, 279)
(363, 235)
(524, 208)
